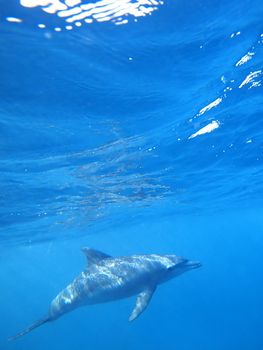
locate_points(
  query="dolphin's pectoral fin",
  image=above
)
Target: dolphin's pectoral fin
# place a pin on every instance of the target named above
(142, 302)
(94, 256)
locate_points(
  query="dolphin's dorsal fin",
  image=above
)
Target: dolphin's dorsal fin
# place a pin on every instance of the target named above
(142, 302)
(94, 256)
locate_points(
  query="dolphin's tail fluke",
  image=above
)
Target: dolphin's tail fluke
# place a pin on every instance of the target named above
(30, 328)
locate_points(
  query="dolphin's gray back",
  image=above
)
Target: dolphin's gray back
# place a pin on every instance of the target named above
(109, 279)
(114, 278)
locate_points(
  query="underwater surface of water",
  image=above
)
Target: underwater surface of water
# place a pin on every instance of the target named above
(132, 126)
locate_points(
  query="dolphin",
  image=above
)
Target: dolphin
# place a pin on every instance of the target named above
(107, 279)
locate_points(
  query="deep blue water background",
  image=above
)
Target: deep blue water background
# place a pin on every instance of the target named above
(95, 151)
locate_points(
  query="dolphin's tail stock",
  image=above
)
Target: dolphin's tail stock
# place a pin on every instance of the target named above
(30, 328)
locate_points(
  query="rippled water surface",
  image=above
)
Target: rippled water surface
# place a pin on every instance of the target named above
(163, 110)
(120, 120)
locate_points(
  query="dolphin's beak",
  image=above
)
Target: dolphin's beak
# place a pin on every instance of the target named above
(193, 264)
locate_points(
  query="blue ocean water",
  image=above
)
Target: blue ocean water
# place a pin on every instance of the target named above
(132, 126)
